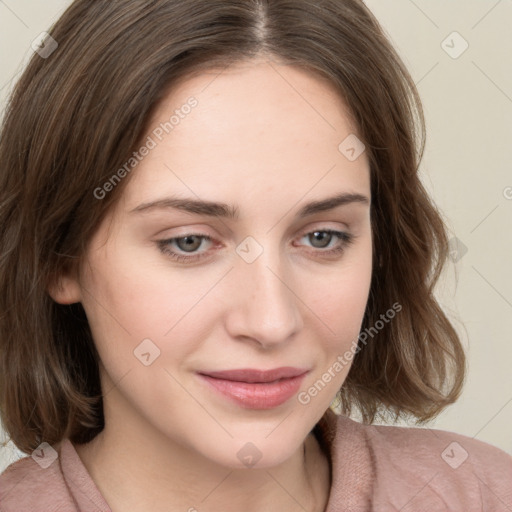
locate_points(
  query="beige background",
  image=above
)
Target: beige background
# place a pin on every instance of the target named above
(467, 167)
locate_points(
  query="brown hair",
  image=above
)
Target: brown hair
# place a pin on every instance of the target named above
(77, 115)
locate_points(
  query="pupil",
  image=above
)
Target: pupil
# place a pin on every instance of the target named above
(189, 242)
(319, 235)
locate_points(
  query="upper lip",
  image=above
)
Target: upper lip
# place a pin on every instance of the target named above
(254, 376)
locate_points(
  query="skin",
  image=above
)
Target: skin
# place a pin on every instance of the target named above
(264, 136)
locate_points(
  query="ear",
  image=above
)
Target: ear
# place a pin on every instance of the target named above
(65, 288)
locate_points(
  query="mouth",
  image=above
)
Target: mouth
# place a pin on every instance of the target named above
(256, 389)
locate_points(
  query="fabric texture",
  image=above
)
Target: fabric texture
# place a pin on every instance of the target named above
(373, 468)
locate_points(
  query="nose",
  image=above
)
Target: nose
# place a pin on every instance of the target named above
(263, 306)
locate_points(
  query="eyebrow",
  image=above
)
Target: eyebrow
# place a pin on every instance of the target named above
(223, 210)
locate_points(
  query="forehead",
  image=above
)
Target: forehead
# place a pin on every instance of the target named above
(257, 128)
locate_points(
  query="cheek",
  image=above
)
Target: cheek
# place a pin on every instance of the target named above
(341, 301)
(342, 307)
(128, 303)
(345, 319)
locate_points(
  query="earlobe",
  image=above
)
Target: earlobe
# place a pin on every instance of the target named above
(65, 289)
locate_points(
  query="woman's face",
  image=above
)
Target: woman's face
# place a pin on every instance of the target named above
(269, 288)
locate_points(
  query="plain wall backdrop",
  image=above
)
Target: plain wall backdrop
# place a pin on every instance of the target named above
(458, 53)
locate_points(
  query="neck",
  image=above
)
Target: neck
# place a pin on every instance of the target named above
(138, 469)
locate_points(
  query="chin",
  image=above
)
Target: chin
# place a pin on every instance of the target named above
(263, 450)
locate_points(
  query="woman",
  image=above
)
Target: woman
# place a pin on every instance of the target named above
(213, 227)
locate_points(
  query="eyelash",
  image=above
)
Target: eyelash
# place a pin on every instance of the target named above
(346, 240)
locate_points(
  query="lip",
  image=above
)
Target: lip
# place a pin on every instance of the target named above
(256, 389)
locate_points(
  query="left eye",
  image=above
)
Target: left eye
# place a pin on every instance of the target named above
(322, 236)
(190, 243)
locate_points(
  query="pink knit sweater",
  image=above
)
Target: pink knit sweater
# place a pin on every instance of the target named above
(374, 468)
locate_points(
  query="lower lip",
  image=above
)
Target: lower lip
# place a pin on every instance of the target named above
(257, 395)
